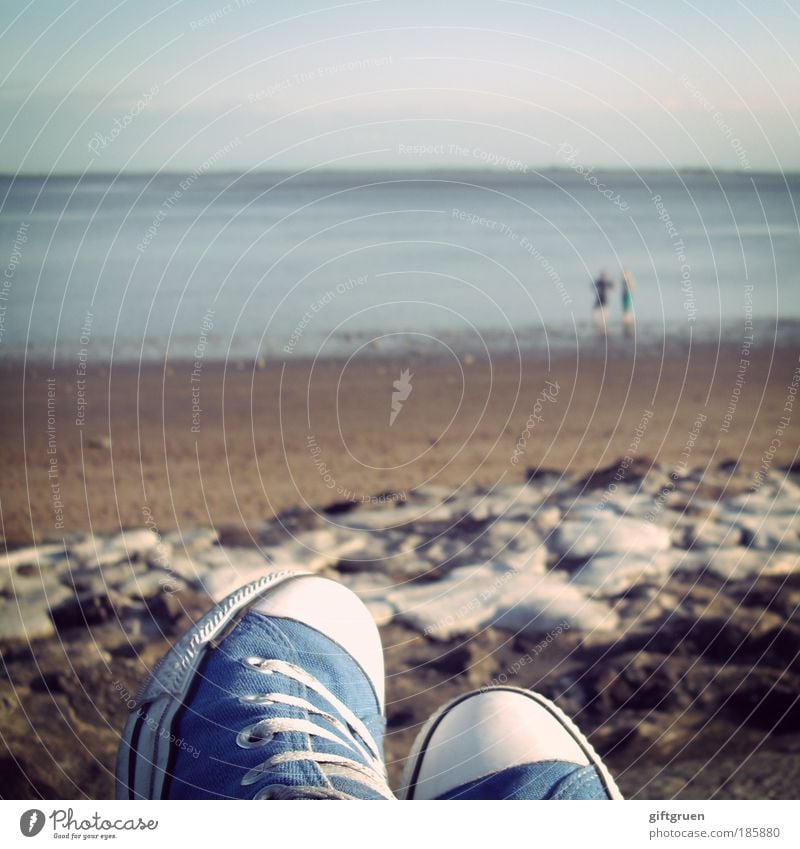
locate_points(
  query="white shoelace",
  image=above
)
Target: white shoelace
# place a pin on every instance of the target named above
(350, 733)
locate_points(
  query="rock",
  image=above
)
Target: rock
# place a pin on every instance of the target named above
(160, 556)
(166, 608)
(126, 545)
(99, 443)
(761, 505)
(475, 597)
(363, 519)
(98, 580)
(32, 588)
(615, 574)
(382, 612)
(32, 555)
(769, 533)
(191, 541)
(533, 561)
(431, 492)
(150, 585)
(542, 474)
(739, 564)
(303, 552)
(507, 535)
(230, 558)
(707, 534)
(638, 469)
(607, 535)
(84, 609)
(443, 609)
(546, 518)
(534, 604)
(25, 622)
(186, 568)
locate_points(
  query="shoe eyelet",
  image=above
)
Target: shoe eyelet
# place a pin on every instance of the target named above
(252, 738)
(271, 791)
(255, 699)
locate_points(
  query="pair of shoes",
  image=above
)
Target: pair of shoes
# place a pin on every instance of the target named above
(278, 693)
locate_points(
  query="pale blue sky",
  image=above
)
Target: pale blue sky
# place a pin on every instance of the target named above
(643, 84)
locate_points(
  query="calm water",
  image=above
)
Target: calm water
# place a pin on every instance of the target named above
(278, 266)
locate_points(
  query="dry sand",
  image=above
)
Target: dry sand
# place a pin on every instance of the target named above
(305, 433)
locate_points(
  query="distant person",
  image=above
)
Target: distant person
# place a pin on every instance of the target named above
(601, 286)
(628, 288)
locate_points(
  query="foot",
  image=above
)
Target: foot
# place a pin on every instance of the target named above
(504, 743)
(275, 693)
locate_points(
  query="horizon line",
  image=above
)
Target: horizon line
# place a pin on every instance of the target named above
(522, 171)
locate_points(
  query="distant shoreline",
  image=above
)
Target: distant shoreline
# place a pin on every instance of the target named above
(652, 337)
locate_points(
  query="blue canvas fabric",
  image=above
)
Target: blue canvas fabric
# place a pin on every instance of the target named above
(544, 780)
(214, 713)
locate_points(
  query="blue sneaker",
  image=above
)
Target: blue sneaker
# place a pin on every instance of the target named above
(504, 743)
(277, 693)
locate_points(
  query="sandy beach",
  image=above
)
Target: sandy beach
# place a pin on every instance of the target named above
(615, 529)
(228, 445)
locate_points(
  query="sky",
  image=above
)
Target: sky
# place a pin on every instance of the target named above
(142, 86)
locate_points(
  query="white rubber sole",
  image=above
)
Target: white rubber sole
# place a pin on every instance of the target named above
(423, 738)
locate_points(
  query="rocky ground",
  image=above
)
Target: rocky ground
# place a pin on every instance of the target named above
(659, 610)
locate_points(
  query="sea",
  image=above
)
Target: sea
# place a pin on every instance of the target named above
(269, 266)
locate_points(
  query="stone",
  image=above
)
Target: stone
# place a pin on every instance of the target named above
(546, 519)
(303, 555)
(126, 545)
(770, 533)
(760, 504)
(707, 534)
(508, 535)
(230, 558)
(35, 587)
(31, 555)
(186, 568)
(607, 535)
(150, 585)
(87, 608)
(472, 598)
(160, 556)
(533, 561)
(379, 520)
(739, 564)
(637, 469)
(192, 540)
(382, 612)
(25, 622)
(615, 574)
(458, 604)
(534, 604)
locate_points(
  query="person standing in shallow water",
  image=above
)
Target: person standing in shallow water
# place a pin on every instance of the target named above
(628, 287)
(601, 286)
